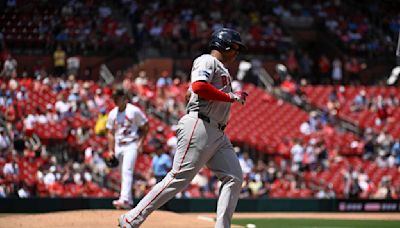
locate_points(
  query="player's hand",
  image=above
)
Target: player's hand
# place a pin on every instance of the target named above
(110, 159)
(239, 96)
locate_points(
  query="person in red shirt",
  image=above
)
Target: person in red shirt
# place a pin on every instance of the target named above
(324, 68)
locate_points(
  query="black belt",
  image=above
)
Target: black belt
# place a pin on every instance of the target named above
(207, 119)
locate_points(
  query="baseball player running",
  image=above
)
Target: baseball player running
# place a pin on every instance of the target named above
(201, 137)
(127, 128)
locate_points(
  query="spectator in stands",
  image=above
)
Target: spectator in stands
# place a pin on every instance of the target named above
(22, 95)
(333, 104)
(385, 189)
(305, 128)
(369, 145)
(5, 142)
(351, 187)
(364, 183)
(161, 163)
(384, 141)
(30, 120)
(324, 67)
(51, 114)
(6, 97)
(9, 68)
(246, 163)
(127, 83)
(326, 192)
(63, 107)
(99, 98)
(331, 192)
(395, 151)
(33, 145)
(100, 126)
(382, 112)
(310, 158)
(73, 65)
(83, 106)
(337, 72)
(292, 88)
(59, 58)
(50, 177)
(292, 64)
(289, 85)
(306, 66)
(201, 181)
(360, 102)
(353, 69)
(255, 185)
(271, 173)
(392, 100)
(3, 193)
(164, 80)
(23, 191)
(322, 193)
(11, 170)
(141, 79)
(297, 152)
(314, 121)
(10, 116)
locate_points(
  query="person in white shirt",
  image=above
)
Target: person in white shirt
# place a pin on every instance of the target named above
(305, 128)
(5, 141)
(63, 107)
(297, 152)
(246, 163)
(127, 128)
(9, 68)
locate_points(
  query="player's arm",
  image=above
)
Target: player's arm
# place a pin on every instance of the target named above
(111, 140)
(142, 122)
(110, 133)
(208, 92)
(144, 129)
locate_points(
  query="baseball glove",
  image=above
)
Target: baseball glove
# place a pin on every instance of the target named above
(111, 161)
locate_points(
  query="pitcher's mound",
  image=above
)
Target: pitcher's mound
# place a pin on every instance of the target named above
(100, 219)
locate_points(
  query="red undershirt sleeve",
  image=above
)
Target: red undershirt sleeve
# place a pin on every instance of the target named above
(208, 92)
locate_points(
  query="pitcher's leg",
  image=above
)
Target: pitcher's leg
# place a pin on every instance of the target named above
(227, 168)
(128, 165)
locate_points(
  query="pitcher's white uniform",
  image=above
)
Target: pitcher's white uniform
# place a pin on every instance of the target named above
(125, 125)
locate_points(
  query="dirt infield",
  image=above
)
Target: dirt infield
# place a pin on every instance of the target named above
(99, 219)
(159, 219)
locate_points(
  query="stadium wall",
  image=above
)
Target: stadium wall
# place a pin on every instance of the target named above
(40, 205)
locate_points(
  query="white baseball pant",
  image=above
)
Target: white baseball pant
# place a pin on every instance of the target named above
(199, 143)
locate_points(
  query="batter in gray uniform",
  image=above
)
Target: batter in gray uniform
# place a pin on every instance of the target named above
(201, 137)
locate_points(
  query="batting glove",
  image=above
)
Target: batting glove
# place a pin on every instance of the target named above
(239, 96)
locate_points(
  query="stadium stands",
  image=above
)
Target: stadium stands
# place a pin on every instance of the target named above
(53, 150)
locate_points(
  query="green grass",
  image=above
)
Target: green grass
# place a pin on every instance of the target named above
(316, 223)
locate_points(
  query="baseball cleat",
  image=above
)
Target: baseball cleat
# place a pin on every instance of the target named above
(123, 222)
(122, 204)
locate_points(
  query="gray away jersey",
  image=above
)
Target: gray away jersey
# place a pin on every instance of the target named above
(208, 68)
